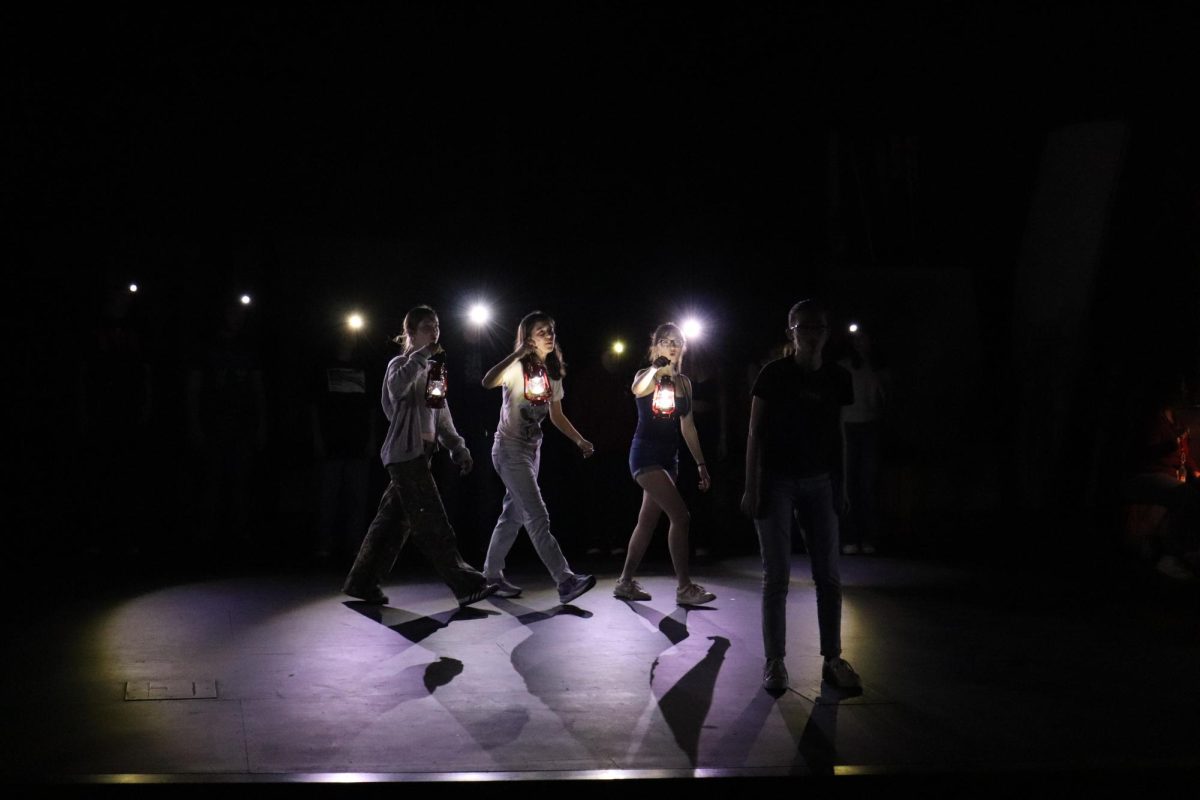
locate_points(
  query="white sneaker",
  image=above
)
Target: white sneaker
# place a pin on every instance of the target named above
(693, 595)
(630, 590)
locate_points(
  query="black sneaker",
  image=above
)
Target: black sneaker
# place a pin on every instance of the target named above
(478, 594)
(838, 672)
(775, 675)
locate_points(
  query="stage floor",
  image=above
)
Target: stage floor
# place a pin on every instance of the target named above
(280, 677)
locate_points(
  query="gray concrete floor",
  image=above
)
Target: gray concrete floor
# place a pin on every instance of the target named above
(966, 673)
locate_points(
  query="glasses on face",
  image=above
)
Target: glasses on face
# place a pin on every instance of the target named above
(808, 327)
(670, 343)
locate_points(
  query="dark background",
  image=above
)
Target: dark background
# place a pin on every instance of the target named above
(618, 164)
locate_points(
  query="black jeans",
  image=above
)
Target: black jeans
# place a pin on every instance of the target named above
(412, 506)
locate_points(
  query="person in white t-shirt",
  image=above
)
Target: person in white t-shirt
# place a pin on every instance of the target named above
(531, 379)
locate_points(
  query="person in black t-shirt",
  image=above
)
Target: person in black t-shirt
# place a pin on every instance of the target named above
(794, 444)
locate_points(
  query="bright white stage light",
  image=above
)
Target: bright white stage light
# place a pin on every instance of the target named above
(479, 314)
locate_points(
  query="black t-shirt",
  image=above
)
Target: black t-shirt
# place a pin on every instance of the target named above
(802, 433)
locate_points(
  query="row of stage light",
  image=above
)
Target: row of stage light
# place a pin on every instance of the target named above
(480, 314)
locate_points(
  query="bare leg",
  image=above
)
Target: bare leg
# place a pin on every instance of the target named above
(660, 489)
(642, 533)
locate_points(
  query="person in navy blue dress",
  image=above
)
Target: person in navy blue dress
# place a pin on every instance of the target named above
(664, 403)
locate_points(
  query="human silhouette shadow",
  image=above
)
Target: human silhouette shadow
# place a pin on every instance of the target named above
(816, 743)
(441, 672)
(685, 705)
(739, 737)
(674, 629)
(549, 660)
(528, 616)
(415, 627)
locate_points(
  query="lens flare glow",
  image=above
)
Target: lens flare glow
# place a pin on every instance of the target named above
(133, 288)
(692, 328)
(618, 347)
(853, 327)
(245, 299)
(479, 314)
(355, 322)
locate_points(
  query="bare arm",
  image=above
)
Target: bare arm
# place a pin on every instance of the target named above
(559, 418)
(491, 378)
(687, 426)
(752, 499)
(646, 378)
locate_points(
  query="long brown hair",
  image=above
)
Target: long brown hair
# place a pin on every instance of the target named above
(556, 366)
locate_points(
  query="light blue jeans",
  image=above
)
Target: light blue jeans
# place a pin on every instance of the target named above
(812, 500)
(517, 464)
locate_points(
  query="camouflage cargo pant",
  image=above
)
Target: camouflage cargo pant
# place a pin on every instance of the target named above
(411, 506)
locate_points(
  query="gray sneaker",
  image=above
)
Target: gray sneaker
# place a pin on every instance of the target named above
(838, 672)
(574, 586)
(630, 590)
(775, 677)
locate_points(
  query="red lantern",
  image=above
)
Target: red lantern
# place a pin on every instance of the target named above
(435, 385)
(663, 404)
(537, 384)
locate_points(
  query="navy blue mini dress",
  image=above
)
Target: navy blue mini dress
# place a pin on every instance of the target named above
(656, 440)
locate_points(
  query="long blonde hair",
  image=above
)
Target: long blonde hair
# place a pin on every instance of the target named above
(663, 331)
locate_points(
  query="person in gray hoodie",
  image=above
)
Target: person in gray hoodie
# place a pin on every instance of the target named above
(411, 504)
